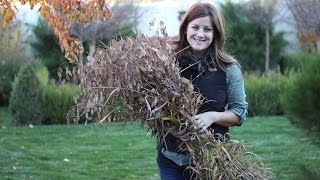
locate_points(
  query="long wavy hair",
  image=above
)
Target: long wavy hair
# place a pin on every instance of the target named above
(216, 50)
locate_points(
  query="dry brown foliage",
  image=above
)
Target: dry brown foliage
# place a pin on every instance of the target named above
(142, 72)
(142, 77)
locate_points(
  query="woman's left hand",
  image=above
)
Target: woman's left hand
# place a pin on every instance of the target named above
(205, 120)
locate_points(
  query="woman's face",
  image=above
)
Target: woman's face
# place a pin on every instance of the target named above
(200, 34)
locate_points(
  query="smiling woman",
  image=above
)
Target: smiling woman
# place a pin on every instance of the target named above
(188, 99)
(217, 77)
(200, 35)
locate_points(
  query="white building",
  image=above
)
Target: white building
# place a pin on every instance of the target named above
(167, 11)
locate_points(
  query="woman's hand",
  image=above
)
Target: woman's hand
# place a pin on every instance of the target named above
(205, 120)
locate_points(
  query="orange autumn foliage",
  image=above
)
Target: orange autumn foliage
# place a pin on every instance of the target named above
(308, 41)
(60, 14)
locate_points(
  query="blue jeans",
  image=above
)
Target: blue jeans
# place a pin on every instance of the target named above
(168, 173)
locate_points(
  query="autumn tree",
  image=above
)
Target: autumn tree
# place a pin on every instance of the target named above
(60, 14)
(262, 12)
(306, 16)
(124, 17)
(46, 45)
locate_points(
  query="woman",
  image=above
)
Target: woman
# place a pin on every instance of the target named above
(215, 74)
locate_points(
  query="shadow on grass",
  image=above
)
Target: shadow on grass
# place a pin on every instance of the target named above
(5, 116)
(307, 173)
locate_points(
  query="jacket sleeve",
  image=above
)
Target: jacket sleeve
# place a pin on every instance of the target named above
(236, 97)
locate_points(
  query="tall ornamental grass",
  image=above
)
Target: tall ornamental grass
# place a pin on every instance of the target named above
(264, 93)
(57, 100)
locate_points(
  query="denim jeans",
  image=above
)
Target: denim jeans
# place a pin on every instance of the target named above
(168, 173)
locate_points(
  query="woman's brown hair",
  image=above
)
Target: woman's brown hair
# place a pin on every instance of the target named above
(216, 50)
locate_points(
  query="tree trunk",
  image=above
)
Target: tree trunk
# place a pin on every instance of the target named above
(267, 52)
(81, 58)
(92, 47)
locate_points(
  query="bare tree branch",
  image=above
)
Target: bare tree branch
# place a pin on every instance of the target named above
(124, 17)
(306, 15)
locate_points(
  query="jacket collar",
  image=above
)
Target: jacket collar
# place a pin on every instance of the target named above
(187, 60)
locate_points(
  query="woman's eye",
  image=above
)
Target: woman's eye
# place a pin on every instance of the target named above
(195, 27)
(207, 29)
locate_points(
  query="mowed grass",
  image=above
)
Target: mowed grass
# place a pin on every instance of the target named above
(282, 147)
(90, 152)
(77, 152)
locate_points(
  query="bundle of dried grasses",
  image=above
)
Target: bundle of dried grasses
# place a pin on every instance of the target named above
(143, 74)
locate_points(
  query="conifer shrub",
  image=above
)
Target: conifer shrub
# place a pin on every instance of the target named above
(42, 74)
(35, 100)
(46, 48)
(301, 99)
(264, 92)
(291, 64)
(12, 57)
(9, 67)
(25, 98)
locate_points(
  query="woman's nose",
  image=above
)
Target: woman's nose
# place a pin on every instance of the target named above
(200, 33)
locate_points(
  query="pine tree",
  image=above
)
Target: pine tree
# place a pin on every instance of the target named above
(25, 99)
(247, 40)
(47, 49)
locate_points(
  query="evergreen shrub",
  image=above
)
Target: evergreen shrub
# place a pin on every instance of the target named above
(249, 48)
(301, 100)
(47, 49)
(25, 98)
(294, 63)
(264, 92)
(9, 67)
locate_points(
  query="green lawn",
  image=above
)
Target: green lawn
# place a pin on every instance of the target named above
(282, 147)
(89, 152)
